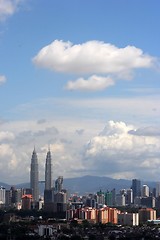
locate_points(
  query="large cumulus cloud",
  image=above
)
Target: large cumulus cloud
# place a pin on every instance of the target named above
(92, 56)
(118, 153)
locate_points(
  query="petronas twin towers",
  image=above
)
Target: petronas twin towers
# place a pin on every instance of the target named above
(48, 172)
(34, 175)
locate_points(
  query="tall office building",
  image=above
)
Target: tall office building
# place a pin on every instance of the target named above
(34, 177)
(158, 189)
(59, 184)
(48, 172)
(2, 195)
(48, 191)
(129, 196)
(145, 191)
(136, 187)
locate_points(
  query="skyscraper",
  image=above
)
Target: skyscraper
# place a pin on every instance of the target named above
(48, 172)
(136, 187)
(158, 189)
(34, 176)
(2, 194)
(59, 184)
(145, 191)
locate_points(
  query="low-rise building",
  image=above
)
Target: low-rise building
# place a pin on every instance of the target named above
(146, 214)
(27, 202)
(128, 219)
(100, 215)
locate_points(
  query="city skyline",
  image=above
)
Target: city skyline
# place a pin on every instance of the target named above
(82, 78)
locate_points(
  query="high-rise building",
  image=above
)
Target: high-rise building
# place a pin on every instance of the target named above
(113, 191)
(136, 187)
(145, 191)
(48, 172)
(128, 193)
(158, 189)
(108, 198)
(27, 202)
(34, 177)
(149, 202)
(8, 198)
(2, 195)
(16, 196)
(59, 184)
(129, 196)
(100, 197)
(120, 199)
(48, 191)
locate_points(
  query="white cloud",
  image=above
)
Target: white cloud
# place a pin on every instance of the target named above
(113, 128)
(15, 153)
(8, 161)
(146, 131)
(2, 79)
(127, 109)
(92, 57)
(6, 136)
(120, 149)
(93, 83)
(115, 152)
(8, 8)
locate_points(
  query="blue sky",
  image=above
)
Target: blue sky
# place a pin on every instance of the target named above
(83, 78)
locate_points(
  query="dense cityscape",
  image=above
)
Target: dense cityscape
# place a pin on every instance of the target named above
(57, 211)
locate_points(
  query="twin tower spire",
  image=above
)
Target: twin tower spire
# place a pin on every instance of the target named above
(34, 174)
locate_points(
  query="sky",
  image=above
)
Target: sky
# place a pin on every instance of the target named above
(81, 78)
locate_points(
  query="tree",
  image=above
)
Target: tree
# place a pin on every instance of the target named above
(76, 237)
(74, 223)
(63, 237)
(92, 237)
(85, 224)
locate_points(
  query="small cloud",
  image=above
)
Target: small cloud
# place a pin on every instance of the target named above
(6, 136)
(41, 121)
(48, 131)
(8, 8)
(56, 147)
(93, 83)
(80, 131)
(2, 79)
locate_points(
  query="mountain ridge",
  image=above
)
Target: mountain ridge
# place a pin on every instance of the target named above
(87, 184)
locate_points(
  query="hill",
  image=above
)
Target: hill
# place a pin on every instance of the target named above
(92, 184)
(88, 184)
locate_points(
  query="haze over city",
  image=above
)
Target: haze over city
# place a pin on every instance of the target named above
(83, 79)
